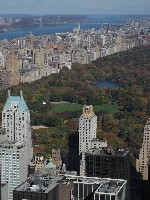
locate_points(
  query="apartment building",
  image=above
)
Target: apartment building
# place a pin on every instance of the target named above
(143, 160)
(15, 142)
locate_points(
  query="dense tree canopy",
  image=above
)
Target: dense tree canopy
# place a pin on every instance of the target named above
(130, 69)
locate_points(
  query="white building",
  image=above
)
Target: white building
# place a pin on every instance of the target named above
(14, 167)
(100, 188)
(87, 128)
(15, 145)
(142, 162)
(1, 60)
(87, 134)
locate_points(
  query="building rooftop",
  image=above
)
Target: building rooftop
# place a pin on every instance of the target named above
(43, 183)
(148, 121)
(15, 102)
(105, 185)
(107, 151)
(50, 165)
(110, 187)
(87, 112)
(9, 144)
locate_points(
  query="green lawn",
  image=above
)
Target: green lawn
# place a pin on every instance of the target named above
(72, 107)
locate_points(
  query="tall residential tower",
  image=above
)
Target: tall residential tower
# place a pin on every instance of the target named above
(15, 143)
(87, 134)
(142, 162)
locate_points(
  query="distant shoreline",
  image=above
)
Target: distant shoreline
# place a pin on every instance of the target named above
(93, 21)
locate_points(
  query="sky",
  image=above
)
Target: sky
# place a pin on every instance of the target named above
(74, 7)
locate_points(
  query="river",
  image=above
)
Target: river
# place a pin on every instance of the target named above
(93, 21)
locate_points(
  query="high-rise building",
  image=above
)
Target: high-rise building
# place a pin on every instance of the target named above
(87, 128)
(15, 145)
(13, 69)
(1, 60)
(142, 162)
(39, 57)
(4, 79)
(73, 157)
(108, 163)
(87, 134)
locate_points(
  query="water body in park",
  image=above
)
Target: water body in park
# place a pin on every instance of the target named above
(106, 84)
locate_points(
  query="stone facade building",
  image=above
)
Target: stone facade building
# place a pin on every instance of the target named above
(142, 162)
(16, 144)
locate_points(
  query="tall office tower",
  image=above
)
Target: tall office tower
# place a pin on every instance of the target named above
(107, 163)
(142, 162)
(13, 69)
(87, 132)
(73, 157)
(15, 143)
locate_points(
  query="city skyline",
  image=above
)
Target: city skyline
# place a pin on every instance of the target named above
(74, 7)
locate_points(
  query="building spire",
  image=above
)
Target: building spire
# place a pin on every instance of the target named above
(9, 93)
(21, 95)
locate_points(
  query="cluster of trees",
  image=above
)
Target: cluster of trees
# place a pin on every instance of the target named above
(46, 139)
(129, 69)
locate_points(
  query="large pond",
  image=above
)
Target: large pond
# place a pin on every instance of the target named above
(106, 84)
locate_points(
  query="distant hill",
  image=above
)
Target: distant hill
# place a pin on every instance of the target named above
(16, 15)
(32, 21)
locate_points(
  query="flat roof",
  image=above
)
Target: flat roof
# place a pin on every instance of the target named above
(104, 185)
(109, 187)
(6, 144)
(35, 184)
(107, 151)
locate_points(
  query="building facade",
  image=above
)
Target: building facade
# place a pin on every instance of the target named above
(142, 162)
(13, 69)
(87, 132)
(107, 163)
(15, 142)
(87, 135)
(87, 128)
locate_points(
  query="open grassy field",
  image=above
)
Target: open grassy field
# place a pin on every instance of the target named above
(73, 107)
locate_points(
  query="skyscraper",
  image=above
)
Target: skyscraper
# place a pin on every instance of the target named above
(108, 163)
(87, 128)
(15, 143)
(13, 69)
(142, 162)
(87, 135)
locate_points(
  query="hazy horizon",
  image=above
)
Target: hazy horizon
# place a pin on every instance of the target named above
(39, 14)
(75, 7)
